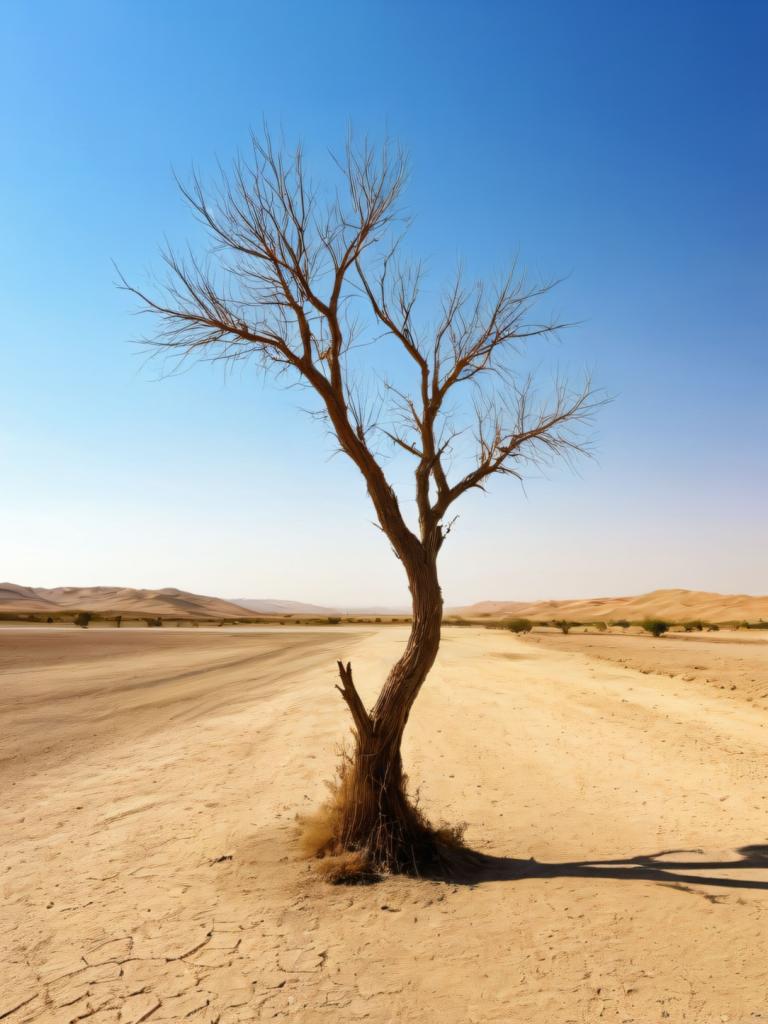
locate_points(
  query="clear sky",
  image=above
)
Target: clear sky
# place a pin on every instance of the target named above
(623, 145)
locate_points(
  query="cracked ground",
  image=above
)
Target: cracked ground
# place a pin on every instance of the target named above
(150, 872)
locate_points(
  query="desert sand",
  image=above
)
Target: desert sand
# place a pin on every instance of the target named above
(674, 604)
(151, 781)
(732, 660)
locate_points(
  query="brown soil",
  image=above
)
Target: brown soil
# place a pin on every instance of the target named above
(150, 868)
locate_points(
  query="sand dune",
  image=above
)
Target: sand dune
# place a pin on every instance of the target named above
(168, 601)
(116, 600)
(271, 606)
(677, 605)
(149, 868)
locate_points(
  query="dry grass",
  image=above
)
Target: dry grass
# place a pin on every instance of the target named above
(319, 830)
(318, 838)
(352, 868)
(433, 851)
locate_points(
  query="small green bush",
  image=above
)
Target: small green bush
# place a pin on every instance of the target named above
(623, 623)
(519, 625)
(82, 619)
(601, 627)
(657, 627)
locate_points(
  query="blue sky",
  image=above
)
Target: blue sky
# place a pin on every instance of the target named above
(622, 145)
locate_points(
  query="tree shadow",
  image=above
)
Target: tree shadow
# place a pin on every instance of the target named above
(478, 868)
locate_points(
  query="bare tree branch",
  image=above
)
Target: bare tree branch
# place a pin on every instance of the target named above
(285, 276)
(281, 267)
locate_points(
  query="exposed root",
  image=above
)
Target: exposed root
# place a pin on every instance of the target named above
(357, 839)
(368, 826)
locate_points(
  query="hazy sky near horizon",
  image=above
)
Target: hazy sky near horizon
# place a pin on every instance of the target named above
(623, 146)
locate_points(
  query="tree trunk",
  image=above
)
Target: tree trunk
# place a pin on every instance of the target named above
(373, 813)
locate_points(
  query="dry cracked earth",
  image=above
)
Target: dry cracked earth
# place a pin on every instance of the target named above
(149, 869)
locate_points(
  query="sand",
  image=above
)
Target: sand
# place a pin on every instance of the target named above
(731, 660)
(149, 870)
(674, 604)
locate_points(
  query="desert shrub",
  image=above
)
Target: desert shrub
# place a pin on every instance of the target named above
(118, 621)
(657, 627)
(519, 625)
(623, 623)
(601, 627)
(82, 619)
(333, 620)
(154, 621)
(693, 624)
(563, 625)
(713, 628)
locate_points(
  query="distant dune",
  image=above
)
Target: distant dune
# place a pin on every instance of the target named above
(116, 600)
(268, 606)
(677, 605)
(180, 604)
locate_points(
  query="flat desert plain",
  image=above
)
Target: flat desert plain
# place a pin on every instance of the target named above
(151, 781)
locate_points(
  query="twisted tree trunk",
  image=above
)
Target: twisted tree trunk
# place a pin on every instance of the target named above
(289, 264)
(374, 814)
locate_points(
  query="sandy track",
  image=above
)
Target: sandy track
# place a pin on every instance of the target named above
(149, 873)
(99, 685)
(736, 661)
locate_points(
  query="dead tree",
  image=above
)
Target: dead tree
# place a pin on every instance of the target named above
(296, 281)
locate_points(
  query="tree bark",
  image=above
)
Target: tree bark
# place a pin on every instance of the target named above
(374, 812)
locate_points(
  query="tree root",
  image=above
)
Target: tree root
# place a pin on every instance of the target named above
(381, 846)
(368, 826)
